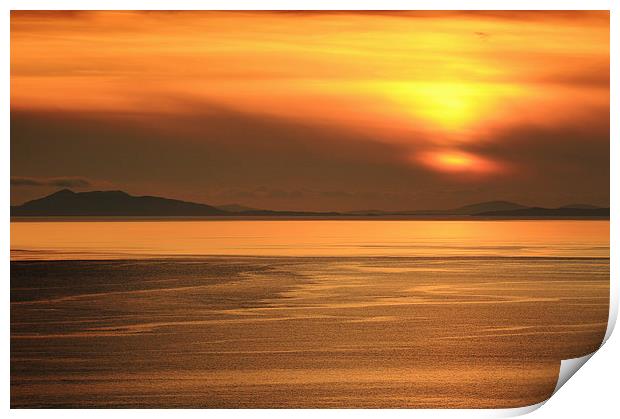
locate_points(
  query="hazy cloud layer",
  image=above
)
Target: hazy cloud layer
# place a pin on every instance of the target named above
(224, 156)
(60, 182)
(314, 110)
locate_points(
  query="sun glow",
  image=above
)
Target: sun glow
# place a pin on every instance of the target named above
(419, 81)
(453, 107)
(458, 161)
(449, 105)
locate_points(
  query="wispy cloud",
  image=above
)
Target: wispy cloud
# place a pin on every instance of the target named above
(61, 182)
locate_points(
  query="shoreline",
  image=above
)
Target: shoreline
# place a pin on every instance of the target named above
(215, 257)
(20, 219)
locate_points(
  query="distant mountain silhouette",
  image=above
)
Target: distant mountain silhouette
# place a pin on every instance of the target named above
(109, 203)
(471, 209)
(268, 213)
(549, 212)
(235, 208)
(487, 206)
(368, 212)
(580, 206)
(118, 203)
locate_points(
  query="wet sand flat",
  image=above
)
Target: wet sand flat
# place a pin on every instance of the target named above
(301, 331)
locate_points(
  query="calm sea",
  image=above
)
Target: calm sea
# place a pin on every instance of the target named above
(302, 313)
(139, 239)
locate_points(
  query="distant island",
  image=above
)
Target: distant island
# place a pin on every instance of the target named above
(67, 203)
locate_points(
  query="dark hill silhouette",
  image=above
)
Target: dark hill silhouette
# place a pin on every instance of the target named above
(110, 203)
(236, 208)
(269, 213)
(471, 209)
(368, 212)
(580, 206)
(549, 212)
(66, 203)
(487, 206)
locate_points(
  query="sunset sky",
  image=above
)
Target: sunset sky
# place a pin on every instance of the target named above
(313, 110)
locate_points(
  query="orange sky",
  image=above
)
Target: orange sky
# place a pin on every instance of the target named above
(445, 95)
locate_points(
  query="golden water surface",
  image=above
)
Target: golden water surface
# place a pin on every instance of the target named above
(121, 239)
(302, 313)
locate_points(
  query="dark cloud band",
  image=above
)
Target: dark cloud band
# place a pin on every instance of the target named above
(61, 182)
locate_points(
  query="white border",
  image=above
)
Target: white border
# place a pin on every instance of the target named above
(309, 5)
(575, 403)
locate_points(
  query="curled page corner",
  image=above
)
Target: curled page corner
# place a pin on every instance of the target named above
(613, 310)
(569, 367)
(517, 411)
